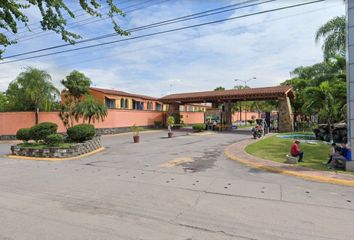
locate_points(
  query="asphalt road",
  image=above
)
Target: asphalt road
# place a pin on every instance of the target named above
(175, 189)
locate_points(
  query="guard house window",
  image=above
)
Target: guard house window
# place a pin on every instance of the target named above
(122, 105)
(126, 103)
(149, 106)
(110, 103)
(158, 107)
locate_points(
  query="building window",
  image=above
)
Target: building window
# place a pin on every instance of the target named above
(158, 107)
(149, 106)
(126, 103)
(110, 103)
(137, 105)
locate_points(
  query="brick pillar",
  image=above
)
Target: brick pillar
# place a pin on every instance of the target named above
(173, 110)
(228, 113)
(285, 115)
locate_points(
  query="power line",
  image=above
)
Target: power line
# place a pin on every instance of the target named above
(75, 11)
(166, 31)
(174, 42)
(153, 25)
(76, 24)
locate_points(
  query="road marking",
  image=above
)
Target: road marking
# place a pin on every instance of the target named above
(55, 159)
(176, 162)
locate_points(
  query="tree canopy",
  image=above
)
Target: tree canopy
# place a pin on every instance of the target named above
(31, 89)
(55, 15)
(77, 84)
(333, 35)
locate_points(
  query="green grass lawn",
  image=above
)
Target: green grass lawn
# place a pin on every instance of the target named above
(275, 149)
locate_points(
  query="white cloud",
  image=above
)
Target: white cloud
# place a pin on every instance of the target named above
(267, 46)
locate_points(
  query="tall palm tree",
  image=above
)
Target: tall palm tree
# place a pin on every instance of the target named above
(320, 100)
(333, 34)
(90, 110)
(32, 87)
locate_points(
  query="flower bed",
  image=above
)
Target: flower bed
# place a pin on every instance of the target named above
(72, 150)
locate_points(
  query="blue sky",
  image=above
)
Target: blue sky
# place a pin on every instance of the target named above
(266, 46)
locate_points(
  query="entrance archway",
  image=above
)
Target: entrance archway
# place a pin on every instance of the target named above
(283, 94)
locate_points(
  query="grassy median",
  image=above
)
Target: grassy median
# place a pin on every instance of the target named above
(275, 149)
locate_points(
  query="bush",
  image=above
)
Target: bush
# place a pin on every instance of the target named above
(81, 132)
(251, 121)
(41, 131)
(157, 124)
(198, 127)
(24, 134)
(54, 139)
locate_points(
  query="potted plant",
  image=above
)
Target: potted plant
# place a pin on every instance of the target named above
(136, 130)
(170, 123)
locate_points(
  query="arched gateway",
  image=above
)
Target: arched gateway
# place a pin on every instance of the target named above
(227, 97)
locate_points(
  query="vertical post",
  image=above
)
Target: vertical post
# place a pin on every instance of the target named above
(350, 71)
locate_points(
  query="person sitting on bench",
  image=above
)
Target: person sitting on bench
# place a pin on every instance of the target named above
(342, 156)
(334, 150)
(296, 151)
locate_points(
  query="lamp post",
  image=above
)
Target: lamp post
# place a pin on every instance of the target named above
(245, 82)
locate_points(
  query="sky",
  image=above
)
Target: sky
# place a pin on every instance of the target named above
(265, 46)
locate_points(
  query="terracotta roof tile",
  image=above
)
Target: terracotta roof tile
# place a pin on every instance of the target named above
(250, 93)
(121, 93)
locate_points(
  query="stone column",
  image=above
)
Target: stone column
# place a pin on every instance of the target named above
(350, 71)
(228, 113)
(286, 120)
(173, 110)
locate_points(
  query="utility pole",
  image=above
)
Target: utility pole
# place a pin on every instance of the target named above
(350, 71)
(245, 82)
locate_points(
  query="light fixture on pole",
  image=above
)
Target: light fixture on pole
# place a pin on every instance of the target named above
(245, 82)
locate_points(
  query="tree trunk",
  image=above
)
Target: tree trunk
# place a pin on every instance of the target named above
(89, 119)
(330, 132)
(37, 113)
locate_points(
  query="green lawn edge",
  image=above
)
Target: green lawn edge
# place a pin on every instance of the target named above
(275, 149)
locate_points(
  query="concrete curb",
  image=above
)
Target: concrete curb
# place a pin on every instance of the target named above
(55, 159)
(267, 166)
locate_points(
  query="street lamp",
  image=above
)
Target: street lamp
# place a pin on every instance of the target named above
(245, 82)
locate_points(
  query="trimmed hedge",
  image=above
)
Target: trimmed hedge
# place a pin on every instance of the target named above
(198, 127)
(41, 131)
(54, 139)
(24, 134)
(81, 132)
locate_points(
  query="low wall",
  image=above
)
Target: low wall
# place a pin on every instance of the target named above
(192, 117)
(116, 121)
(53, 152)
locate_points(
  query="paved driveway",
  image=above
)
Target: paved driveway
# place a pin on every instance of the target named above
(182, 188)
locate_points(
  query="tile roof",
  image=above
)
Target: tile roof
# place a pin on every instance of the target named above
(232, 94)
(121, 93)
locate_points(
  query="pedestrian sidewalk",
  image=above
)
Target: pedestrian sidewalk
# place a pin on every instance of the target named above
(237, 152)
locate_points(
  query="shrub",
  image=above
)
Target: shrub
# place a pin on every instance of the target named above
(81, 132)
(24, 134)
(54, 139)
(157, 124)
(41, 131)
(251, 121)
(198, 127)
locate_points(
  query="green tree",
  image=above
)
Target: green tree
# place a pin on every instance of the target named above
(31, 89)
(321, 101)
(54, 15)
(76, 84)
(220, 88)
(91, 110)
(333, 35)
(3, 102)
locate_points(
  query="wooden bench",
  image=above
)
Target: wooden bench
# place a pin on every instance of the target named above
(291, 160)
